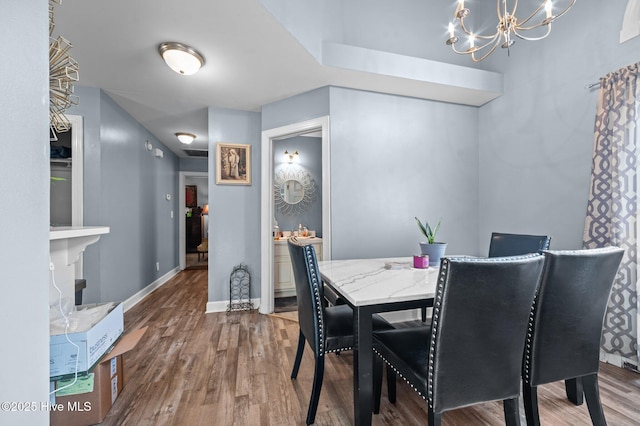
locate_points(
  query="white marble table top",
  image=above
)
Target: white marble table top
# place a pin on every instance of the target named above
(368, 282)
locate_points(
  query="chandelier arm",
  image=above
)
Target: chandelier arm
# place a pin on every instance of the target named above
(535, 12)
(533, 27)
(473, 56)
(477, 36)
(498, 11)
(533, 38)
(463, 28)
(459, 52)
(565, 10)
(547, 20)
(495, 40)
(472, 50)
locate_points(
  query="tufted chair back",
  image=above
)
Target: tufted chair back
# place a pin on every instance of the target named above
(309, 294)
(567, 318)
(479, 325)
(516, 244)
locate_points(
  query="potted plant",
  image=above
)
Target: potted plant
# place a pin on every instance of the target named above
(435, 250)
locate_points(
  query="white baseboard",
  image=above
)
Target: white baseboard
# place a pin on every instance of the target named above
(285, 293)
(136, 298)
(615, 359)
(221, 305)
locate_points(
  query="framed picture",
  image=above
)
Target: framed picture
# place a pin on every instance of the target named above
(233, 164)
(191, 195)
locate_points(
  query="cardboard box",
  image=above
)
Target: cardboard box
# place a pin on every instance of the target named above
(91, 407)
(93, 344)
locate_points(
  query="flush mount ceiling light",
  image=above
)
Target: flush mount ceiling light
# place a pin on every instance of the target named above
(508, 27)
(185, 138)
(181, 58)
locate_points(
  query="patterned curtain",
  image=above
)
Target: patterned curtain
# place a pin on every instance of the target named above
(612, 211)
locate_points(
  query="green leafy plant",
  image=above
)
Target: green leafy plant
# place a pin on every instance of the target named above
(427, 231)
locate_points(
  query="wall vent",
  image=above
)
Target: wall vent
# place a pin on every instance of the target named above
(196, 152)
(629, 366)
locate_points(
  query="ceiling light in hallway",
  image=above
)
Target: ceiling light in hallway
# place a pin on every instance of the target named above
(185, 138)
(183, 59)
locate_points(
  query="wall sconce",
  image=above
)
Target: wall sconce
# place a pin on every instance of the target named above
(291, 158)
(183, 59)
(185, 138)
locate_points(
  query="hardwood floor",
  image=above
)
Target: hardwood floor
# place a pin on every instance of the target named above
(192, 368)
(196, 261)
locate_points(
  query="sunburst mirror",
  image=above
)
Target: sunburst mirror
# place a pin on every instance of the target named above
(293, 190)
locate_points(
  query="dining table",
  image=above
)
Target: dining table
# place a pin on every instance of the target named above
(373, 286)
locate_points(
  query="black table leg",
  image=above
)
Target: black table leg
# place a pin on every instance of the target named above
(362, 366)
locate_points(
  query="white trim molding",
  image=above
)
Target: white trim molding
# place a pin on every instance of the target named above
(615, 359)
(139, 296)
(221, 305)
(631, 21)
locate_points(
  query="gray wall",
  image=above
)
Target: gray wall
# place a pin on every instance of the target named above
(125, 188)
(413, 27)
(536, 140)
(296, 109)
(24, 214)
(234, 213)
(393, 158)
(194, 164)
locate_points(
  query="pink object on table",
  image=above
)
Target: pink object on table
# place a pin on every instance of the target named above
(421, 261)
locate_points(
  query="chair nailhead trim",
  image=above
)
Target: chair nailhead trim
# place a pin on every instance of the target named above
(529, 342)
(348, 348)
(317, 299)
(400, 374)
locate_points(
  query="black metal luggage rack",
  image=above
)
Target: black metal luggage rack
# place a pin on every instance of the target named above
(240, 289)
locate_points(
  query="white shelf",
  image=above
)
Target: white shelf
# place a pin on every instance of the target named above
(65, 245)
(61, 232)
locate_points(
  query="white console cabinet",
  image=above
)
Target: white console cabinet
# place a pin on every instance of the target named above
(285, 285)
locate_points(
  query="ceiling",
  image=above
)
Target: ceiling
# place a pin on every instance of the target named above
(251, 60)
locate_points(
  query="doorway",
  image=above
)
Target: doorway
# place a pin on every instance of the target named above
(320, 125)
(193, 217)
(67, 184)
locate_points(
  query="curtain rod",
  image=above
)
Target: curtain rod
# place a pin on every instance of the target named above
(592, 85)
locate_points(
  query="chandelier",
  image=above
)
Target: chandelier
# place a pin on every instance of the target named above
(481, 46)
(63, 72)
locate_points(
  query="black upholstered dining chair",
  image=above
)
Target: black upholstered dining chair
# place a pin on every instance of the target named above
(472, 351)
(566, 327)
(503, 244)
(326, 329)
